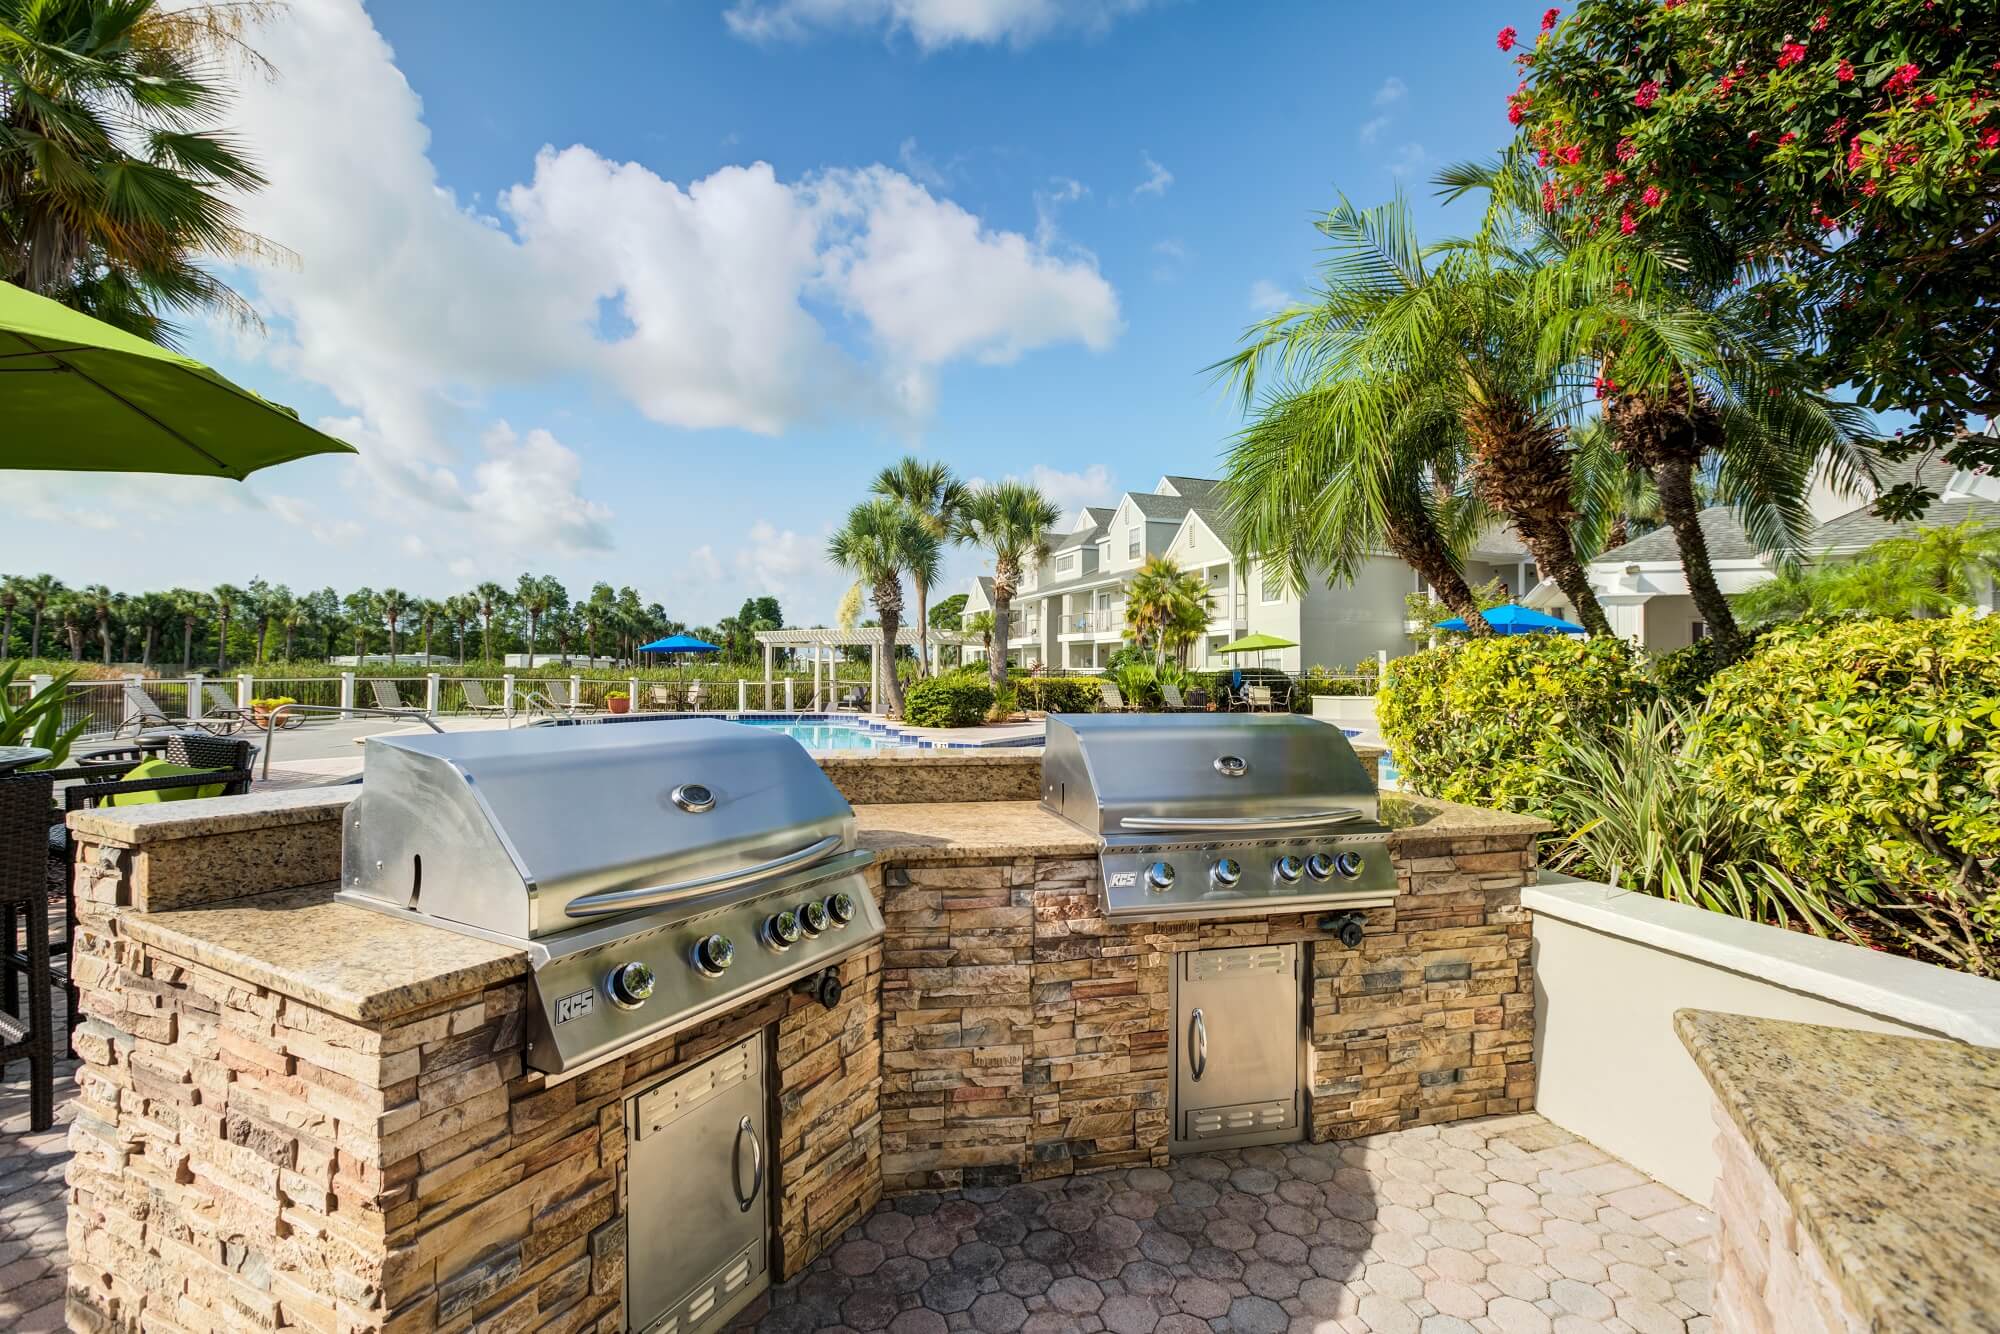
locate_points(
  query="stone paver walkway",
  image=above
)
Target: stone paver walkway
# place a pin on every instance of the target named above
(34, 1251)
(1508, 1225)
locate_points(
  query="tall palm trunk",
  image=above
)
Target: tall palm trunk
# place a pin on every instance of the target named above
(222, 642)
(1522, 470)
(889, 604)
(923, 629)
(104, 637)
(6, 632)
(263, 634)
(1667, 434)
(35, 636)
(187, 643)
(1003, 606)
(1415, 540)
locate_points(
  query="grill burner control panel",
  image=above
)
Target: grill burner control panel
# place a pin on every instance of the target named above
(1200, 879)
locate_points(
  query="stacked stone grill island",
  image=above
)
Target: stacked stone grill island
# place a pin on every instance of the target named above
(315, 1102)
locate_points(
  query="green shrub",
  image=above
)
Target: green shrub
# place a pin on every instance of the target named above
(1868, 754)
(1059, 694)
(1483, 721)
(1683, 675)
(947, 701)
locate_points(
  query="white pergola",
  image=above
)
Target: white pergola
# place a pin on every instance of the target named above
(818, 641)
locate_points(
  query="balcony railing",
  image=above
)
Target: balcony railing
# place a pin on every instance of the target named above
(1100, 620)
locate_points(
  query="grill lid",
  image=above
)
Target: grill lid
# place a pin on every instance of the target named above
(1161, 776)
(534, 831)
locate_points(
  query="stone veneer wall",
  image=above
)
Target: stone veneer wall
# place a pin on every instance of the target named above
(1769, 1274)
(244, 1160)
(1025, 1036)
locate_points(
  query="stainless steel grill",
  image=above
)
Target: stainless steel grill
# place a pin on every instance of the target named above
(1219, 815)
(655, 874)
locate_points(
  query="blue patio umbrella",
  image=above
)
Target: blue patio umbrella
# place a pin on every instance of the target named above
(1513, 619)
(679, 644)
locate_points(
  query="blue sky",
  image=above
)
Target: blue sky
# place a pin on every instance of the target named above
(538, 274)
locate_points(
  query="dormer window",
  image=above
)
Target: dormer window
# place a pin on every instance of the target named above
(1132, 544)
(1066, 562)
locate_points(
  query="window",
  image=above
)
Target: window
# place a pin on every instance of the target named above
(1274, 582)
(1066, 563)
(1699, 631)
(1132, 544)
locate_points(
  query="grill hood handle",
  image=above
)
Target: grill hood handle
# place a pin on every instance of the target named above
(1195, 824)
(625, 900)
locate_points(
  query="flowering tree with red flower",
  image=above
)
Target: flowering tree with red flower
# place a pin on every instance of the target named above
(1848, 158)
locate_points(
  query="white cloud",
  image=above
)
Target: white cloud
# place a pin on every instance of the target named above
(1072, 491)
(1267, 298)
(701, 565)
(1410, 159)
(929, 23)
(306, 517)
(1392, 91)
(774, 560)
(525, 495)
(920, 167)
(1158, 178)
(1371, 129)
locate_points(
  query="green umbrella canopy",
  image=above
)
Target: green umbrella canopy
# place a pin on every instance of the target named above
(78, 394)
(1257, 644)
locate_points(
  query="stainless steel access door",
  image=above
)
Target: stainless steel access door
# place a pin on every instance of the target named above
(697, 1214)
(1238, 1053)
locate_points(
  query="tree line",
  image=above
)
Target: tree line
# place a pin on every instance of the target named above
(261, 621)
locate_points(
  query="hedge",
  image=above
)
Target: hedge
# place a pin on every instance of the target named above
(1868, 753)
(1059, 694)
(1482, 721)
(952, 700)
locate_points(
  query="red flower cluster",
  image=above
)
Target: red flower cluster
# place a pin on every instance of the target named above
(1786, 137)
(1606, 385)
(1819, 24)
(1625, 223)
(1649, 93)
(1904, 77)
(1652, 197)
(1857, 156)
(1845, 73)
(1549, 19)
(1627, 150)
(1792, 54)
(1613, 179)
(1550, 198)
(1505, 41)
(1516, 113)
(1990, 139)
(1570, 153)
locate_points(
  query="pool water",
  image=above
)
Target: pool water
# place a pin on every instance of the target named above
(825, 736)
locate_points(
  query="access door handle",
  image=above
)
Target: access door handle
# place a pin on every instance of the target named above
(1197, 1046)
(743, 1202)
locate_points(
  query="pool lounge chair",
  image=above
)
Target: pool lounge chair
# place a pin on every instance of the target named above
(476, 700)
(562, 699)
(1171, 693)
(389, 700)
(1113, 701)
(142, 711)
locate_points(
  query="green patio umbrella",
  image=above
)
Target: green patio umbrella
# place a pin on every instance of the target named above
(77, 394)
(1257, 644)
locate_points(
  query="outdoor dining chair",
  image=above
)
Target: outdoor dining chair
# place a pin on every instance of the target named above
(1258, 698)
(476, 700)
(695, 695)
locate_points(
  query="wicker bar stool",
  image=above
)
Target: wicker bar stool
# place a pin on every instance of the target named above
(24, 900)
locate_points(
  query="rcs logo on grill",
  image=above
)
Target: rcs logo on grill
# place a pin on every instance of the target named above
(1124, 879)
(575, 1005)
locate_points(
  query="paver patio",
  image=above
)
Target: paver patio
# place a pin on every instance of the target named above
(1509, 1225)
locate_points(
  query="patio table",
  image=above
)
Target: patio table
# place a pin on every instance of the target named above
(20, 757)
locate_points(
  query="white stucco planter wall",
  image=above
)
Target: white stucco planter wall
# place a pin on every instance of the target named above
(1350, 710)
(1611, 967)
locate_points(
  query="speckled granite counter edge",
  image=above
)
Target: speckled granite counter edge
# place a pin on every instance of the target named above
(1864, 1278)
(136, 826)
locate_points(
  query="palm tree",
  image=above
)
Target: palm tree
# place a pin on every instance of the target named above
(1162, 601)
(390, 604)
(190, 605)
(149, 612)
(1012, 520)
(38, 591)
(534, 597)
(981, 623)
(1402, 336)
(459, 609)
(491, 597)
(428, 614)
(879, 542)
(362, 607)
(96, 600)
(273, 603)
(936, 497)
(227, 599)
(113, 183)
(70, 609)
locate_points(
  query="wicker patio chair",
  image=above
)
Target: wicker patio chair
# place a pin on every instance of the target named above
(24, 902)
(476, 700)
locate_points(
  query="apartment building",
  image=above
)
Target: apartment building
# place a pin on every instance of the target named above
(1069, 612)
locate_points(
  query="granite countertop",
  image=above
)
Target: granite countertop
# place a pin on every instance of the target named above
(136, 826)
(1886, 1147)
(1428, 817)
(359, 964)
(931, 831)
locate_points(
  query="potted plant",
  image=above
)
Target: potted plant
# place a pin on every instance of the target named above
(617, 701)
(261, 709)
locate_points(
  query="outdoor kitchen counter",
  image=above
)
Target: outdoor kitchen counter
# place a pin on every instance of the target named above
(358, 964)
(1886, 1149)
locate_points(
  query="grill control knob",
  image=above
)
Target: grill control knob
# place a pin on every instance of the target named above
(840, 907)
(782, 929)
(712, 954)
(1349, 864)
(1289, 867)
(1160, 877)
(630, 984)
(1227, 872)
(813, 917)
(1319, 866)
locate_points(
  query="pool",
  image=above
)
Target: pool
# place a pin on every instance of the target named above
(828, 736)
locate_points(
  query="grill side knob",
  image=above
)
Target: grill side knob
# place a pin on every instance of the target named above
(813, 917)
(1160, 877)
(1289, 867)
(1227, 872)
(840, 907)
(630, 984)
(1319, 866)
(713, 954)
(782, 929)
(1348, 864)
